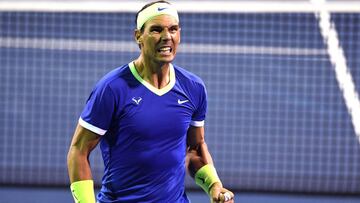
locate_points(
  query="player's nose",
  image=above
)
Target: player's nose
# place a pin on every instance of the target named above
(165, 35)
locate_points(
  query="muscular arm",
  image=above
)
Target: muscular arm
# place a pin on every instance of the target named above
(198, 156)
(197, 152)
(83, 142)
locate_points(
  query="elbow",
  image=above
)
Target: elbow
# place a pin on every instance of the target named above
(76, 153)
(70, 157)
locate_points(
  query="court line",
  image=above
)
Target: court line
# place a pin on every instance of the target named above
(338, 61)
(127, 46)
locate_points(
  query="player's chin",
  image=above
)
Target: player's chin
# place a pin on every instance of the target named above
(166, 58)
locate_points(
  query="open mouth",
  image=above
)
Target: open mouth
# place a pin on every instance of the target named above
(165, 50)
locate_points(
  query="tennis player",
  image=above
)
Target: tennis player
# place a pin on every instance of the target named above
(148, 117)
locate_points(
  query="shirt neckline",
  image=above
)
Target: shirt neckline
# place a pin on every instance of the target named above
(153, 89)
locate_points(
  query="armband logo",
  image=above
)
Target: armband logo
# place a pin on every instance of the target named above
(73, 193)
(202, 179)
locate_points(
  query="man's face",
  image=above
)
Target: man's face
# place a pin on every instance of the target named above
(160, 39)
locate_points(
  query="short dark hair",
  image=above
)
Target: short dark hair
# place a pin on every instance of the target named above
(147, 5)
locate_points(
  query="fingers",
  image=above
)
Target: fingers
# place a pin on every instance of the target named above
(221, 197)
(227, 196)
(218, 194)
(215, 192)
(224, 196)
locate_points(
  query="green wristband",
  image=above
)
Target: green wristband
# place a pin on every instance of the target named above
(83, 191)
(206, 176)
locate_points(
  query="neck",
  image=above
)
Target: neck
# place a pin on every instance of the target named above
(158, 75)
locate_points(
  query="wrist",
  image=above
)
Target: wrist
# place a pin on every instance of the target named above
(83, 191)
(206, 177)
(216, 184)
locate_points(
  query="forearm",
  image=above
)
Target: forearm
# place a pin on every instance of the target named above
(78, 165)
(82, 185)
(198, 156)
(200, 166)
(83, 142)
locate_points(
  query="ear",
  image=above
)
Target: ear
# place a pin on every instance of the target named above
(138, 36)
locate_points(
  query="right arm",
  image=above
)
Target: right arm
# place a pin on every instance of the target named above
(83, 142)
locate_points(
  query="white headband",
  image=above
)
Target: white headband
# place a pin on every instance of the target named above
(155, 10)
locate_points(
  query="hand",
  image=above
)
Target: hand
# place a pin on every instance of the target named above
(218, 194)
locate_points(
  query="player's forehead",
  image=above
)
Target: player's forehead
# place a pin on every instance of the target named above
(162, 21)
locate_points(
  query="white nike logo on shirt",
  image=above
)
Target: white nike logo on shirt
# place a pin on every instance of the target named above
(182, 101)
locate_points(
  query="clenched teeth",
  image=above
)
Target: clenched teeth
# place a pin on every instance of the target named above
(165, 49)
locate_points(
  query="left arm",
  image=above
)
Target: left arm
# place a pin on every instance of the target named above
(197, 157)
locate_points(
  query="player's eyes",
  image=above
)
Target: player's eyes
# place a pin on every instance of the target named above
(174, 29)
(156, 29)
